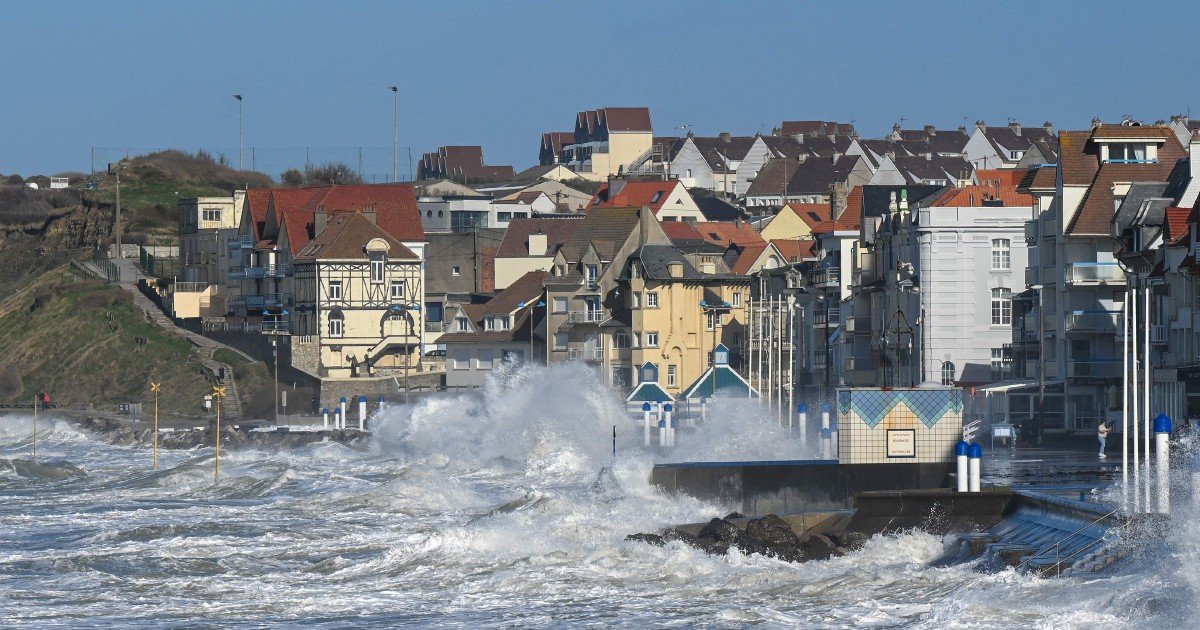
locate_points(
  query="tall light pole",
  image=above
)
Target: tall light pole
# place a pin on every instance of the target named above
(156, 388)
(218, 393)
(240, 128)
(395, 134)
(115, 169)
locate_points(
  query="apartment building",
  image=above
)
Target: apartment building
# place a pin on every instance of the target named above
(530, 245)
(506, 329)
(206, 225)
(669, 200)
(606, 141)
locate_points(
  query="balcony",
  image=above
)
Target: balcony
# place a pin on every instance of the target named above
(1158, 334)
(1093, 369)
(586, 354)
(244, 241)
(1031, 231)
(592, 284)
(435, 327)
(1084, 274)
(827, 277)
(237, 273)
(1093, 321)
(278, 271)
(1032, 276)
(255, 273)
(827, 317)
(581, 317)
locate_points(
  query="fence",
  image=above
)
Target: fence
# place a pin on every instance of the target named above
(158, 266)
(373, 164)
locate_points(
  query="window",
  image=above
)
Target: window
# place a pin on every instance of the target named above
(998, 366)
(485, 359)
(337, 325)
(651, 340)
(593, 272)
(635, 271)
(737, 299)
(512, 356)
(621, 341)
(504, 217)
(657, 196)
(652, 300)
(711, 320)
(1001, 307)
(1126, 151)
(397, 290)
(1016, 155)
(689, 173)
(462, 359)
(560, 341)
(948, 374)
(560, 305)
(211, 214)
(461, 324)
(454, 271)
(377, 271)
(503, 322)
(672, 376)
(635, 299)
(1001, 254)
(335, 289)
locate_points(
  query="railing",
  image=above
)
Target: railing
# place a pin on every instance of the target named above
(1057, 546)
(826, 276)
(1093, 321)
(828, 317)
(1094, 369)
(435, 326)
(237, 273)
(1158, 333)
(592, 284)
(255, 273)
(189, 287)
(585, 316)
(1031, 231)
(279, 271)
(1095, 273)
(244, 241)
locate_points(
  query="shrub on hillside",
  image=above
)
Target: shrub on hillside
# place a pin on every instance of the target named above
(10, 382)
(200, 167)
(321, 175)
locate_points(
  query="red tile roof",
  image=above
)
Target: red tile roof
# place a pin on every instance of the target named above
(635, 195)
(1121, 132)
(258, 200)
(1077, 159)
(1044, 179)
(1095, 213)
(681, 231)
(725, 234)
(395, 207)
(345, 237)
(813, 214)
(750, 254)
(993, 184)
(1177, 222)
(795, 249)
(851, 218)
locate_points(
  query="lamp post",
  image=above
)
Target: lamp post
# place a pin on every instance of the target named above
(395, 134)
(218, 393)
(1041, 406)
(541, 303)
(115, 170)
(240, 128)
(155, 387)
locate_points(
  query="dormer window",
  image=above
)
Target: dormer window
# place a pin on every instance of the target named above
(1127, 152)
(657, 196)
(377, 270)
(1016, 155)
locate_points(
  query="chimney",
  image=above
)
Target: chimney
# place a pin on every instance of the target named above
(320, 220)
(1048, 127)
(838, 195)
(1194, 159)
(892, 207)
(1015, 126)
(369, 212)
(962, 129)
(1095, 123)
(980, 125)
(931, 130)
(675, 269)
(537, 244)
(725, 136)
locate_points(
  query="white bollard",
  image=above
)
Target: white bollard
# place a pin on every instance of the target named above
(662, 432)
(975, 455)
(670, 424)
(826, 433)
(342, 418)
(802, 410)
(362, 413)
(646, 423)
(1162, 459)
(337, 417)
(960, 454)
(325, 417)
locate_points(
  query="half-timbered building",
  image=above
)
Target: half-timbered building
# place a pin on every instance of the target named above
(358, 301)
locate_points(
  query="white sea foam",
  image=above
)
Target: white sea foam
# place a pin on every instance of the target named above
(498, 507)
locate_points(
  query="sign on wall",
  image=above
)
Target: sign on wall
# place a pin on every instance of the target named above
(901, 443)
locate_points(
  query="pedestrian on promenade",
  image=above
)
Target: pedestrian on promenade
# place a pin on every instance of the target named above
(1102, 433)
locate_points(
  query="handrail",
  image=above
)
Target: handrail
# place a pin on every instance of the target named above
(1058, 543)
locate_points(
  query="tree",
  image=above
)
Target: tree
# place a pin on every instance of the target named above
(321, 175)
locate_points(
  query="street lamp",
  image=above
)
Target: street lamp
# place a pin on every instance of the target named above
(395, 134)
(240, 136)
(1041, 363)
(155, 387)
(218, 393)
(408, 332)
(531, 307)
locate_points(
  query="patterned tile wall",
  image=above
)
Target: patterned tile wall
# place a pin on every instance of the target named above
(866, 415)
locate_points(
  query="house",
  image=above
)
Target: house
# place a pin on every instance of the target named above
(708, 163)
(530, 245)
(681, 307)
(1004, 147)
(206, 226)
(669, 200)
(717, 209)
(802, 129)
(607, 140)
(459, 269)
(796, 220)
(463, 164)
(523, 205)
(1075, 280)
(550, 151)
(359, 298)
(765, 148)
(503, 330)
(807, 181)
(927, 168)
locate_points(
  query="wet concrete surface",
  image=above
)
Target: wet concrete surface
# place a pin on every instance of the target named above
(1068, 468)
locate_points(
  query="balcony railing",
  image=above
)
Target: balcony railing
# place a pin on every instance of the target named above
(278, 271)
(592, 284)
(255, 273)
(1031, 231)
(435, 327)
(827, 276)
(1158, 333)
(828, 317)
(1095, 273)
(244, 241)
(577, 317)
(586, 354)
(1093, 321)
(189, 287)
(1094, 369)
(237, 273)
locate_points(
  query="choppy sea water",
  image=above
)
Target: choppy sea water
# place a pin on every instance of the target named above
(502, 507)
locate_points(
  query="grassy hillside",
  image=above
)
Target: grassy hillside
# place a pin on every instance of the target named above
(85, 342)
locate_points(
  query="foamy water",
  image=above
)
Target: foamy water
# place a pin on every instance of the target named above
(501, 507)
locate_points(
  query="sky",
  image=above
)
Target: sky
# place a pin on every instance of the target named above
(133, 76)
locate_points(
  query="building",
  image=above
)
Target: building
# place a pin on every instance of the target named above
(1005, 147)
(606, 141)
(530, 245)
(550, 151)
(206, 225)
(461, 214)
(459, 270)
(506, 329)
(358, 303)
(708, 163)
(463, 164)
(796, 220)
(669, 199)
(784, 180)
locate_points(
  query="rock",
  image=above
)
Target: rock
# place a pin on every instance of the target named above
(651, 539)
(818, 547)
(848, 541)
(772, 531)
(719, 535)
(735, 514)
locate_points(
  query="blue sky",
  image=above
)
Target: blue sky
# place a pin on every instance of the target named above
(316, 74)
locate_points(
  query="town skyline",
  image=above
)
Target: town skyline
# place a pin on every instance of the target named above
(503, 102)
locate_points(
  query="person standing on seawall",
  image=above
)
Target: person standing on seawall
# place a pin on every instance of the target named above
(1102, 433)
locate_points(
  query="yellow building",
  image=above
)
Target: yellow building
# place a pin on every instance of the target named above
(205, 226)
(796, 220)
(683, 306)
(607, 141)
(358, 303)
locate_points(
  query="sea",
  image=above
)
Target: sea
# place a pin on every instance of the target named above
(499, 507)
